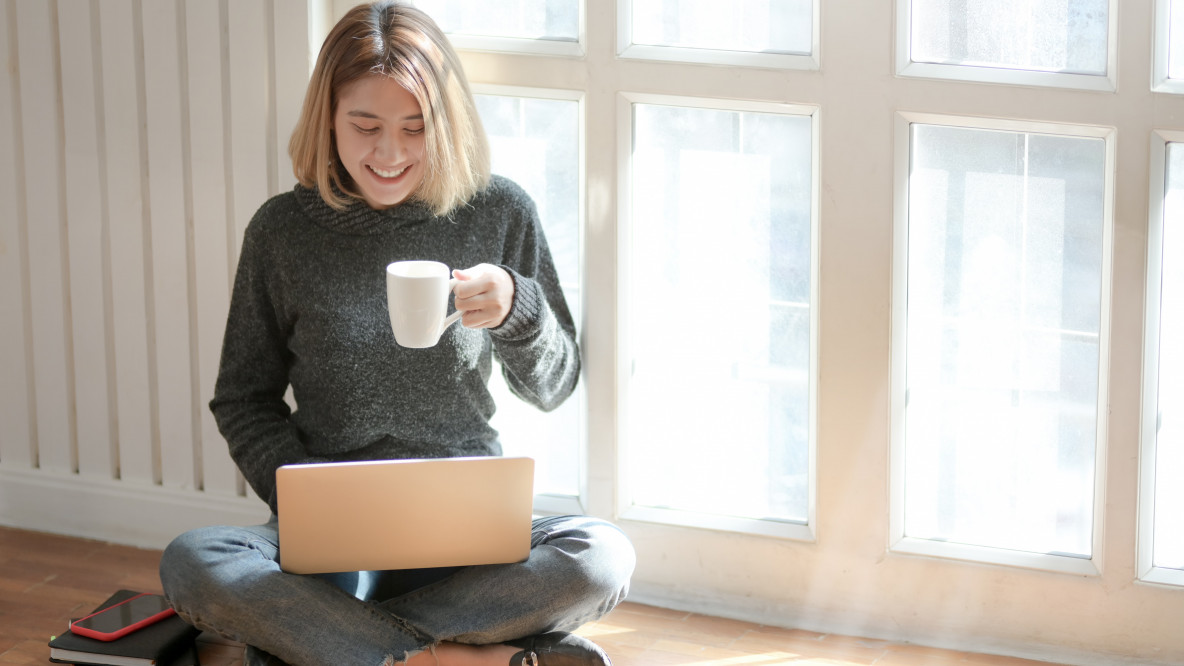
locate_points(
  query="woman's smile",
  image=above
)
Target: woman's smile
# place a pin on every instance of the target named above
(384, 173)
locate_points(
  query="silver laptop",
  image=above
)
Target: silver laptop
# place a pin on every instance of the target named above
(404, 514)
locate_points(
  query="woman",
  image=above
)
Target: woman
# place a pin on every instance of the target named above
(393, 165)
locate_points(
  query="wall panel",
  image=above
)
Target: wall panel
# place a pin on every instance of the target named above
(87, 238)
(41, 106)
(168, 231)
(122, 95)
(291, 66)
(212, 228)
(16, 433)
(250, 91)
(127, 177)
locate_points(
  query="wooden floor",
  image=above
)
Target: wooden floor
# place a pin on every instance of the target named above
(45, 580)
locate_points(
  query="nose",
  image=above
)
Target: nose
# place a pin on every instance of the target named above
(389, 147)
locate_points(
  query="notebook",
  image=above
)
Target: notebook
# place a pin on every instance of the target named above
(170, 641)
(404, 514)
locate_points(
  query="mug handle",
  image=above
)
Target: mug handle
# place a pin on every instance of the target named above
(455, 316)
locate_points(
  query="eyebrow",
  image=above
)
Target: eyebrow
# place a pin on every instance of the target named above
(367, 114)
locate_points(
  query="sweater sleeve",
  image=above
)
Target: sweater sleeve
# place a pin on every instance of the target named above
(248, 403)
(537, 342)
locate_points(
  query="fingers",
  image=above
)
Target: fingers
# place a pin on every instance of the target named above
(484, 293)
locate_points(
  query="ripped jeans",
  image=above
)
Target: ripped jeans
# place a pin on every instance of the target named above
(227, 580)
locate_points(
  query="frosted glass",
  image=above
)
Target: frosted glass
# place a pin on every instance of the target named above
(719, 322)
(556, 20)
(761, 26)
(1176, 40)
(535, 142)
(1038, 35)
(1169, 441)
(1003, 315)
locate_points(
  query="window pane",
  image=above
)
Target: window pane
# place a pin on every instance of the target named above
(1004, 280)
(535, 142)
(720, 312)
(557, 20)
(1169, 441)
(761, 26)
(1176, 40)
(1066, 36)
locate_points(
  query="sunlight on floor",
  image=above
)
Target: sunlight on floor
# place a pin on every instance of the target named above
(600, 630)
(638, 635)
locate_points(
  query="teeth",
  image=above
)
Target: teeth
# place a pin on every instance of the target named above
(388, 174)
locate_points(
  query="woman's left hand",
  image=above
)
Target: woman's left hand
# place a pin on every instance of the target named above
(484, 293)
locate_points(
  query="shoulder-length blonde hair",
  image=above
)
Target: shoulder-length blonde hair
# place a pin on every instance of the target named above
(390, 38)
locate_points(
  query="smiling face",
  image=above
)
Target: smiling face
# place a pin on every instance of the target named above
(379, 128)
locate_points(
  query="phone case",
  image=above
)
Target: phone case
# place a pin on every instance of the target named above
(122, 631)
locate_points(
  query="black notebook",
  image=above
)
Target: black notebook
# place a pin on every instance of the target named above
(169, 642)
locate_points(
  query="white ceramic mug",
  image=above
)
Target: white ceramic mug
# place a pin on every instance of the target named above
(417, 298)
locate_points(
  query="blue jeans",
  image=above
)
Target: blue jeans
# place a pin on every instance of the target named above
(227, 580)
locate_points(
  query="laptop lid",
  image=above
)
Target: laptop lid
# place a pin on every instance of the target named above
(404, 514)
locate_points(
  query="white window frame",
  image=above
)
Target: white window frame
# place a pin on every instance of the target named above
(1160, 82)
(627, 49)
(549, 503)
(629, 511)
(485, 43)
(522, 46)
(906, 67)
(898, 541)
(1148, 572)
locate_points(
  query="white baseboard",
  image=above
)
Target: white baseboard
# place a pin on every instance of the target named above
(146, 516)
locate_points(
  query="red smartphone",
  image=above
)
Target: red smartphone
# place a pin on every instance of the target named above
(123, 618)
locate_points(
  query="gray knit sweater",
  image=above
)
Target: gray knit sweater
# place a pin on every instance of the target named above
(309, 309)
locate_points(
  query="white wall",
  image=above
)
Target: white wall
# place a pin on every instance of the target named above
(136, 140)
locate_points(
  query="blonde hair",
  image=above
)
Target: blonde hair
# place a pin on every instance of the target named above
(390, 38)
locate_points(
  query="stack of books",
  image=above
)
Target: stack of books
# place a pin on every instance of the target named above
(169, 642)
